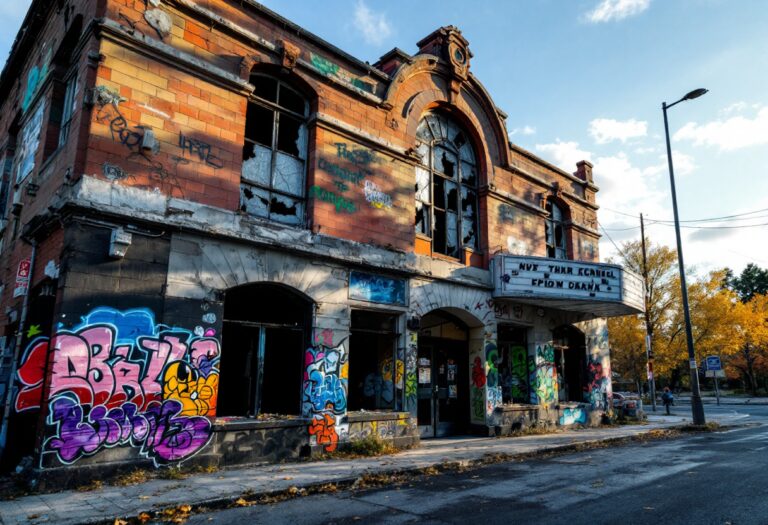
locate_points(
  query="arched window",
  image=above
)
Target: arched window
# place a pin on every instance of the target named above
(446, 186)
(555, 232)
(273, 183)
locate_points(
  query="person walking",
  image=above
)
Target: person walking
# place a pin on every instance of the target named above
(668, 399)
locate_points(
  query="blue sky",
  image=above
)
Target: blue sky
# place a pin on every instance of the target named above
(586, 79)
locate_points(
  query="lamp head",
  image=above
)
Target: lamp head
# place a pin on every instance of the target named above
(696, 93)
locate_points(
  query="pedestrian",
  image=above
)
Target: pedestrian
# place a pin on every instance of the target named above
(668, 399)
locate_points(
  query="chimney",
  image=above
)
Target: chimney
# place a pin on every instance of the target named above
(584, 171)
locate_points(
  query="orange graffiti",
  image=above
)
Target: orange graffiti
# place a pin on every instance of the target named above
(324, 429)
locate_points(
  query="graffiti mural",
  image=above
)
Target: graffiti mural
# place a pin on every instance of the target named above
(543, 376)
(411, 353)
(519, 369)
(572, 416)
(478, 389)
(376, 288)
(119, 378)
(493, 385)
(326, 378)
(376, 196)
(598, 390)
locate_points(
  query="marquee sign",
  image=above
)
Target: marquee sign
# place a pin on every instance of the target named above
(539, 277)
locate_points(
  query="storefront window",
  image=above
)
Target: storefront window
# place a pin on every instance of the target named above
(375, 373)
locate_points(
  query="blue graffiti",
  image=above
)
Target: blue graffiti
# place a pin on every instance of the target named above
(325, 387)
(571, 416)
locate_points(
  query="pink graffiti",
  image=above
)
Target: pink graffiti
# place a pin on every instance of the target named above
(324, 338)
(88, 364)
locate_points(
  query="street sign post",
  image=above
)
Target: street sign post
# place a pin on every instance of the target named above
(714, 369)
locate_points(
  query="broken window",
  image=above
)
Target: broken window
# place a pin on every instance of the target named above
(446, 186)
(275, 152)
(375, 373)
(555, 232)
(262, 355)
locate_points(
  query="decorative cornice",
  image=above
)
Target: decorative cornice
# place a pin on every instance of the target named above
(157, 50)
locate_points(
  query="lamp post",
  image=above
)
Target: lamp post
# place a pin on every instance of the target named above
(697, 407)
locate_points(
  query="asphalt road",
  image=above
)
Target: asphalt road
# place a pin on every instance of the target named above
(713, 478)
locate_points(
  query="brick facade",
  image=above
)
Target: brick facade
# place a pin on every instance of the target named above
(159, 119)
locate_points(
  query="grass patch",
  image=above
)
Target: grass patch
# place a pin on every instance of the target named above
(712, 426)
(370, 446)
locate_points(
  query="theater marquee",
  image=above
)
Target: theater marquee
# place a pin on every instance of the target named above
(574, 285)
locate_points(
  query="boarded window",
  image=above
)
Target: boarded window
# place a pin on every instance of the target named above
(273, 183)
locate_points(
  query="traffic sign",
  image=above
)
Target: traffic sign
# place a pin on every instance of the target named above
(713, 362)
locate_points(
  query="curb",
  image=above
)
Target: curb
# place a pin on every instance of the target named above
(316, 487)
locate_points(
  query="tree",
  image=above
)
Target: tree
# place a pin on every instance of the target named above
(626, 332)
(751, 359)
(752, 281)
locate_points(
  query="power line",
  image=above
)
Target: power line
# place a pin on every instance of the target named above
(614, 244)
(724, 217)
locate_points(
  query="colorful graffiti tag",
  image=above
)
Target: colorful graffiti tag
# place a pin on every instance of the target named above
(325, 393)
(493, 385)
(598, 390)
(519, 369)
(478, 389)
(410, 372)
(120, 378)
(572, 416)
(543, 376)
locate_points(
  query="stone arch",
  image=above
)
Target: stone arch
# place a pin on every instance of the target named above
(411, 95)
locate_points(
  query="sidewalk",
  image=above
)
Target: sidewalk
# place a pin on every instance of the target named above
(109, 502)
(726, 400)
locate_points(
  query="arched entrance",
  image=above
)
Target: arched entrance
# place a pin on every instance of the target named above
(443, 375)
(265, 332)
(570, 363)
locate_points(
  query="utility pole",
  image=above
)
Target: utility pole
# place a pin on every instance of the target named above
(648, 327)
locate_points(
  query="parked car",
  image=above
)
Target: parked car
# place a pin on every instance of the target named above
(628, 402)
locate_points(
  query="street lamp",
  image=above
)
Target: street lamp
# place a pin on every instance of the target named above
(697, 407)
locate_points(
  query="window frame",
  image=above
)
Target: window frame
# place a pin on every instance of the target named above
(303, 151)
(68, 111)
(554, 220)
(441, 141)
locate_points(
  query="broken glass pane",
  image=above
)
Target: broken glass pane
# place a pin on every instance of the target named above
(291, 100)
(257, 168)
(468, 174)
(438, 236)
(451, 234)
(289, 135)
(452, 196)
(445, 162)
(439, 192)
(468, 237)
(434, 127)
(286, 210)
(466, 153)
(259, 123)
(468, 202)
(422, 219)
(254, 201)
(288, 175)
(459, 139)
(422, 184)
(266, 87)
(423, 151)
(423, 132)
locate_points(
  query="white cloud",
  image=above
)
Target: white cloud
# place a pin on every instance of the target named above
(374, 26)
(736, 107)
(605, 130)
(610, 10)
(564, 155)
(525, 130)
(730, 134)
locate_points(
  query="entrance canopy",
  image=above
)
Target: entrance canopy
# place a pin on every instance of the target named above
(602, 290)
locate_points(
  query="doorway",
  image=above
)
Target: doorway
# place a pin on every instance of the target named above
(570, 363)
(264, 338)
(443, 376)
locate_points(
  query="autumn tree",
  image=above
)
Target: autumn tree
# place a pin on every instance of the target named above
(750, 361)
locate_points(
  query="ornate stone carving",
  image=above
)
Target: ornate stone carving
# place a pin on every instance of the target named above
(289, 55)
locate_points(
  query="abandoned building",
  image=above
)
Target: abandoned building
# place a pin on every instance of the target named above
(226, 241)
